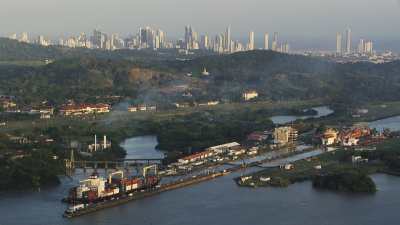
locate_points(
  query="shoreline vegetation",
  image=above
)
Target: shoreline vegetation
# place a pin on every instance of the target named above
(334, 170)
(188, 127)
(354, 182)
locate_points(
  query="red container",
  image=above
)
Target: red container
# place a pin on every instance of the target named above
(92, 196)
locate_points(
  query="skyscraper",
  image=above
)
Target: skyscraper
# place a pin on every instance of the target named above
(24, 37)
(275, 42)
(348, 41)
(42, 41)
(204, 42)
(191, 38)
(13, 36)
(266, 41)
(161, 38)
(251, 41)
(219, 44)
(149, 37)
(339, 43)
(228, 46)
(369, 47)
(98, 39)
(276, 37)
(285, 48)
(188, 37)
(361, 46)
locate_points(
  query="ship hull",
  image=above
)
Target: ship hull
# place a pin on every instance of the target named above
(139, 195)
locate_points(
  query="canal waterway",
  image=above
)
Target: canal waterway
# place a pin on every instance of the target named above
(219, 201)
(284, 119)
(392, 123)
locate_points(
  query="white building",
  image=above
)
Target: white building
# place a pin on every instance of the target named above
(221, 149)
(266, 41)
(339, 43)
(275, 42)
(13, 36)
(329, 137)
(24, 37)
(248, 95)
(348, 41)
(251, 45)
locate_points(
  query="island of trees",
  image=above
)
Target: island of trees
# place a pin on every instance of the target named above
(354, 182)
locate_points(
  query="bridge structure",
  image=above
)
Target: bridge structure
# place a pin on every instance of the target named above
(71, 164)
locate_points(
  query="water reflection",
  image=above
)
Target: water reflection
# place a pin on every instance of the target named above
(392, 123)
(142, 147)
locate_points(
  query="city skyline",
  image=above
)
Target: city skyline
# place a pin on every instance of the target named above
(223, 43)
(155, 38)
(65, 18)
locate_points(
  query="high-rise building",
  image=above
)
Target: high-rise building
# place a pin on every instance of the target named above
(348, 41)
(149, 38)
(162, 37)
(275, 42)
(13, 36)
(369, 47)
(70, 42)
(266, 41)
(228, 40)
(361, 46)
(191, 38)
(146, 37)
(98, 39)
(24, 37)
(204, 42)
(251, 45)
(339, 43)
(219, 44)
(276, 37)
(42, 41)
(285, 135)
(116, 42)
(285, 48)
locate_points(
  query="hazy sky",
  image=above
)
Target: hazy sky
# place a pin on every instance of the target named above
(300, 18)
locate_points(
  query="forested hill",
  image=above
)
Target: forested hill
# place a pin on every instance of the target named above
(273, 75)
(13, 50)
(280, 76)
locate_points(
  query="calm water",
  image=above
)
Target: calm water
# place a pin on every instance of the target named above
(392, 123)
(143, 147)
(219, 202)
(322, 111)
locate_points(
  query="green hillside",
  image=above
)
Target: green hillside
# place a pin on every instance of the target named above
(273, 75)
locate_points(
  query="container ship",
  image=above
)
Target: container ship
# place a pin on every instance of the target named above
(97, 193)
(97, 190)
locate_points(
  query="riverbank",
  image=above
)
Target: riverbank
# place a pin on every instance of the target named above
(330, 166)
(347, 115)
